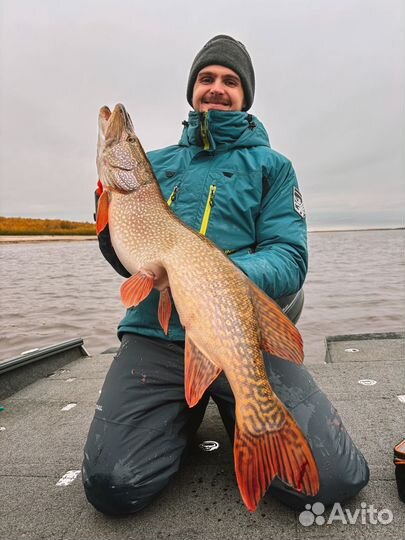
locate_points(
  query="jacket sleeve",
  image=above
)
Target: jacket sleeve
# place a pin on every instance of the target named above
(279, 262)
(104, 242)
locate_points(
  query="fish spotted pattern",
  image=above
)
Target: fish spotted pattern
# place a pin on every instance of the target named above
(228, 320)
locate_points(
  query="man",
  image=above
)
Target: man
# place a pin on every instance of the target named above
(224, 180)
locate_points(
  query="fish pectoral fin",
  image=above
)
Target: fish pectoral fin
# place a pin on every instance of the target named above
(199, 372)
(136, 288)
(102, 212)
(164, 309)
(285, 453)
(278, 335)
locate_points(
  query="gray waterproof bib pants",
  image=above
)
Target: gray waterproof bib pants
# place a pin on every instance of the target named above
(142, 427)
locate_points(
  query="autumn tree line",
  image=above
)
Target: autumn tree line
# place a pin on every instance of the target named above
(29, 226)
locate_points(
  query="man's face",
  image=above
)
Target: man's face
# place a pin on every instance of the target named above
(219, 88)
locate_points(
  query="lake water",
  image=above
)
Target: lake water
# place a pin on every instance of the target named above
(54, 291)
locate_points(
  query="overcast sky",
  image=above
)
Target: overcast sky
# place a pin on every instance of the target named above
(330, 89)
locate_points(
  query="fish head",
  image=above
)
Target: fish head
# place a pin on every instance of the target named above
(121, 162)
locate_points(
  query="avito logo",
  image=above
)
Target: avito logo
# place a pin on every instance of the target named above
(367, 514)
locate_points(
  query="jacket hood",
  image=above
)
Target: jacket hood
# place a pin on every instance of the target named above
(223, 130)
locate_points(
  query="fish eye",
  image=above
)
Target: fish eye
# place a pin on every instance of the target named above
(131, 139)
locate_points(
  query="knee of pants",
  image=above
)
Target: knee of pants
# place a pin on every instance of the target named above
(335, 487)
(114, 495)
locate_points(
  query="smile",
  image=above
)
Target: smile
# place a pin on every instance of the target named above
(216, 103)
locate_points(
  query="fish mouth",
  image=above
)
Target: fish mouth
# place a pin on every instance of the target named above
(115, 126)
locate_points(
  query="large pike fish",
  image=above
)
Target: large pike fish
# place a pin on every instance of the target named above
(227, 318)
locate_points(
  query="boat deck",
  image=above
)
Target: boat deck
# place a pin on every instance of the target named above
(44, 425)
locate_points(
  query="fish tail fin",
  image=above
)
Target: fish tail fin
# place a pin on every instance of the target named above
(285, 453)
(278, 335)
(102, 212)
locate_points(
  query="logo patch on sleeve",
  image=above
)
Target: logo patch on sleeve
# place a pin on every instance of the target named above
(298, 203)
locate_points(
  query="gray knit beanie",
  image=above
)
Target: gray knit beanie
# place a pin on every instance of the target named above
(225, 51)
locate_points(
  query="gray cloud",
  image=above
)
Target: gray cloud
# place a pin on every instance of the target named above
(330, 87)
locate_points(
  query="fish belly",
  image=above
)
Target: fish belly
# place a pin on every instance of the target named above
(131, 235)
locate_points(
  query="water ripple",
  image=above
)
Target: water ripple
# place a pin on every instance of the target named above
(56, 291)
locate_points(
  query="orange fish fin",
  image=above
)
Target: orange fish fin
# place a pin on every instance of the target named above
(135, 289)
(102, 212)
(278, 335)
(164, 309)
(285, 453)
(199, 373)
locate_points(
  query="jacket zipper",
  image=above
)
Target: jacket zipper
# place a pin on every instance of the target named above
(173, 195)
(208, 208)
(204, 131)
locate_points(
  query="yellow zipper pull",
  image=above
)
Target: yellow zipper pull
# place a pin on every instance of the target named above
(208, 207)
(173, 196)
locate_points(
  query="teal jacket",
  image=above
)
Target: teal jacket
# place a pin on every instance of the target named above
(224, 180)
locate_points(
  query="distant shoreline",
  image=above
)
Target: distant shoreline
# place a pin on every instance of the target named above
(14, 227)
(31, 238)
(366, 229)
